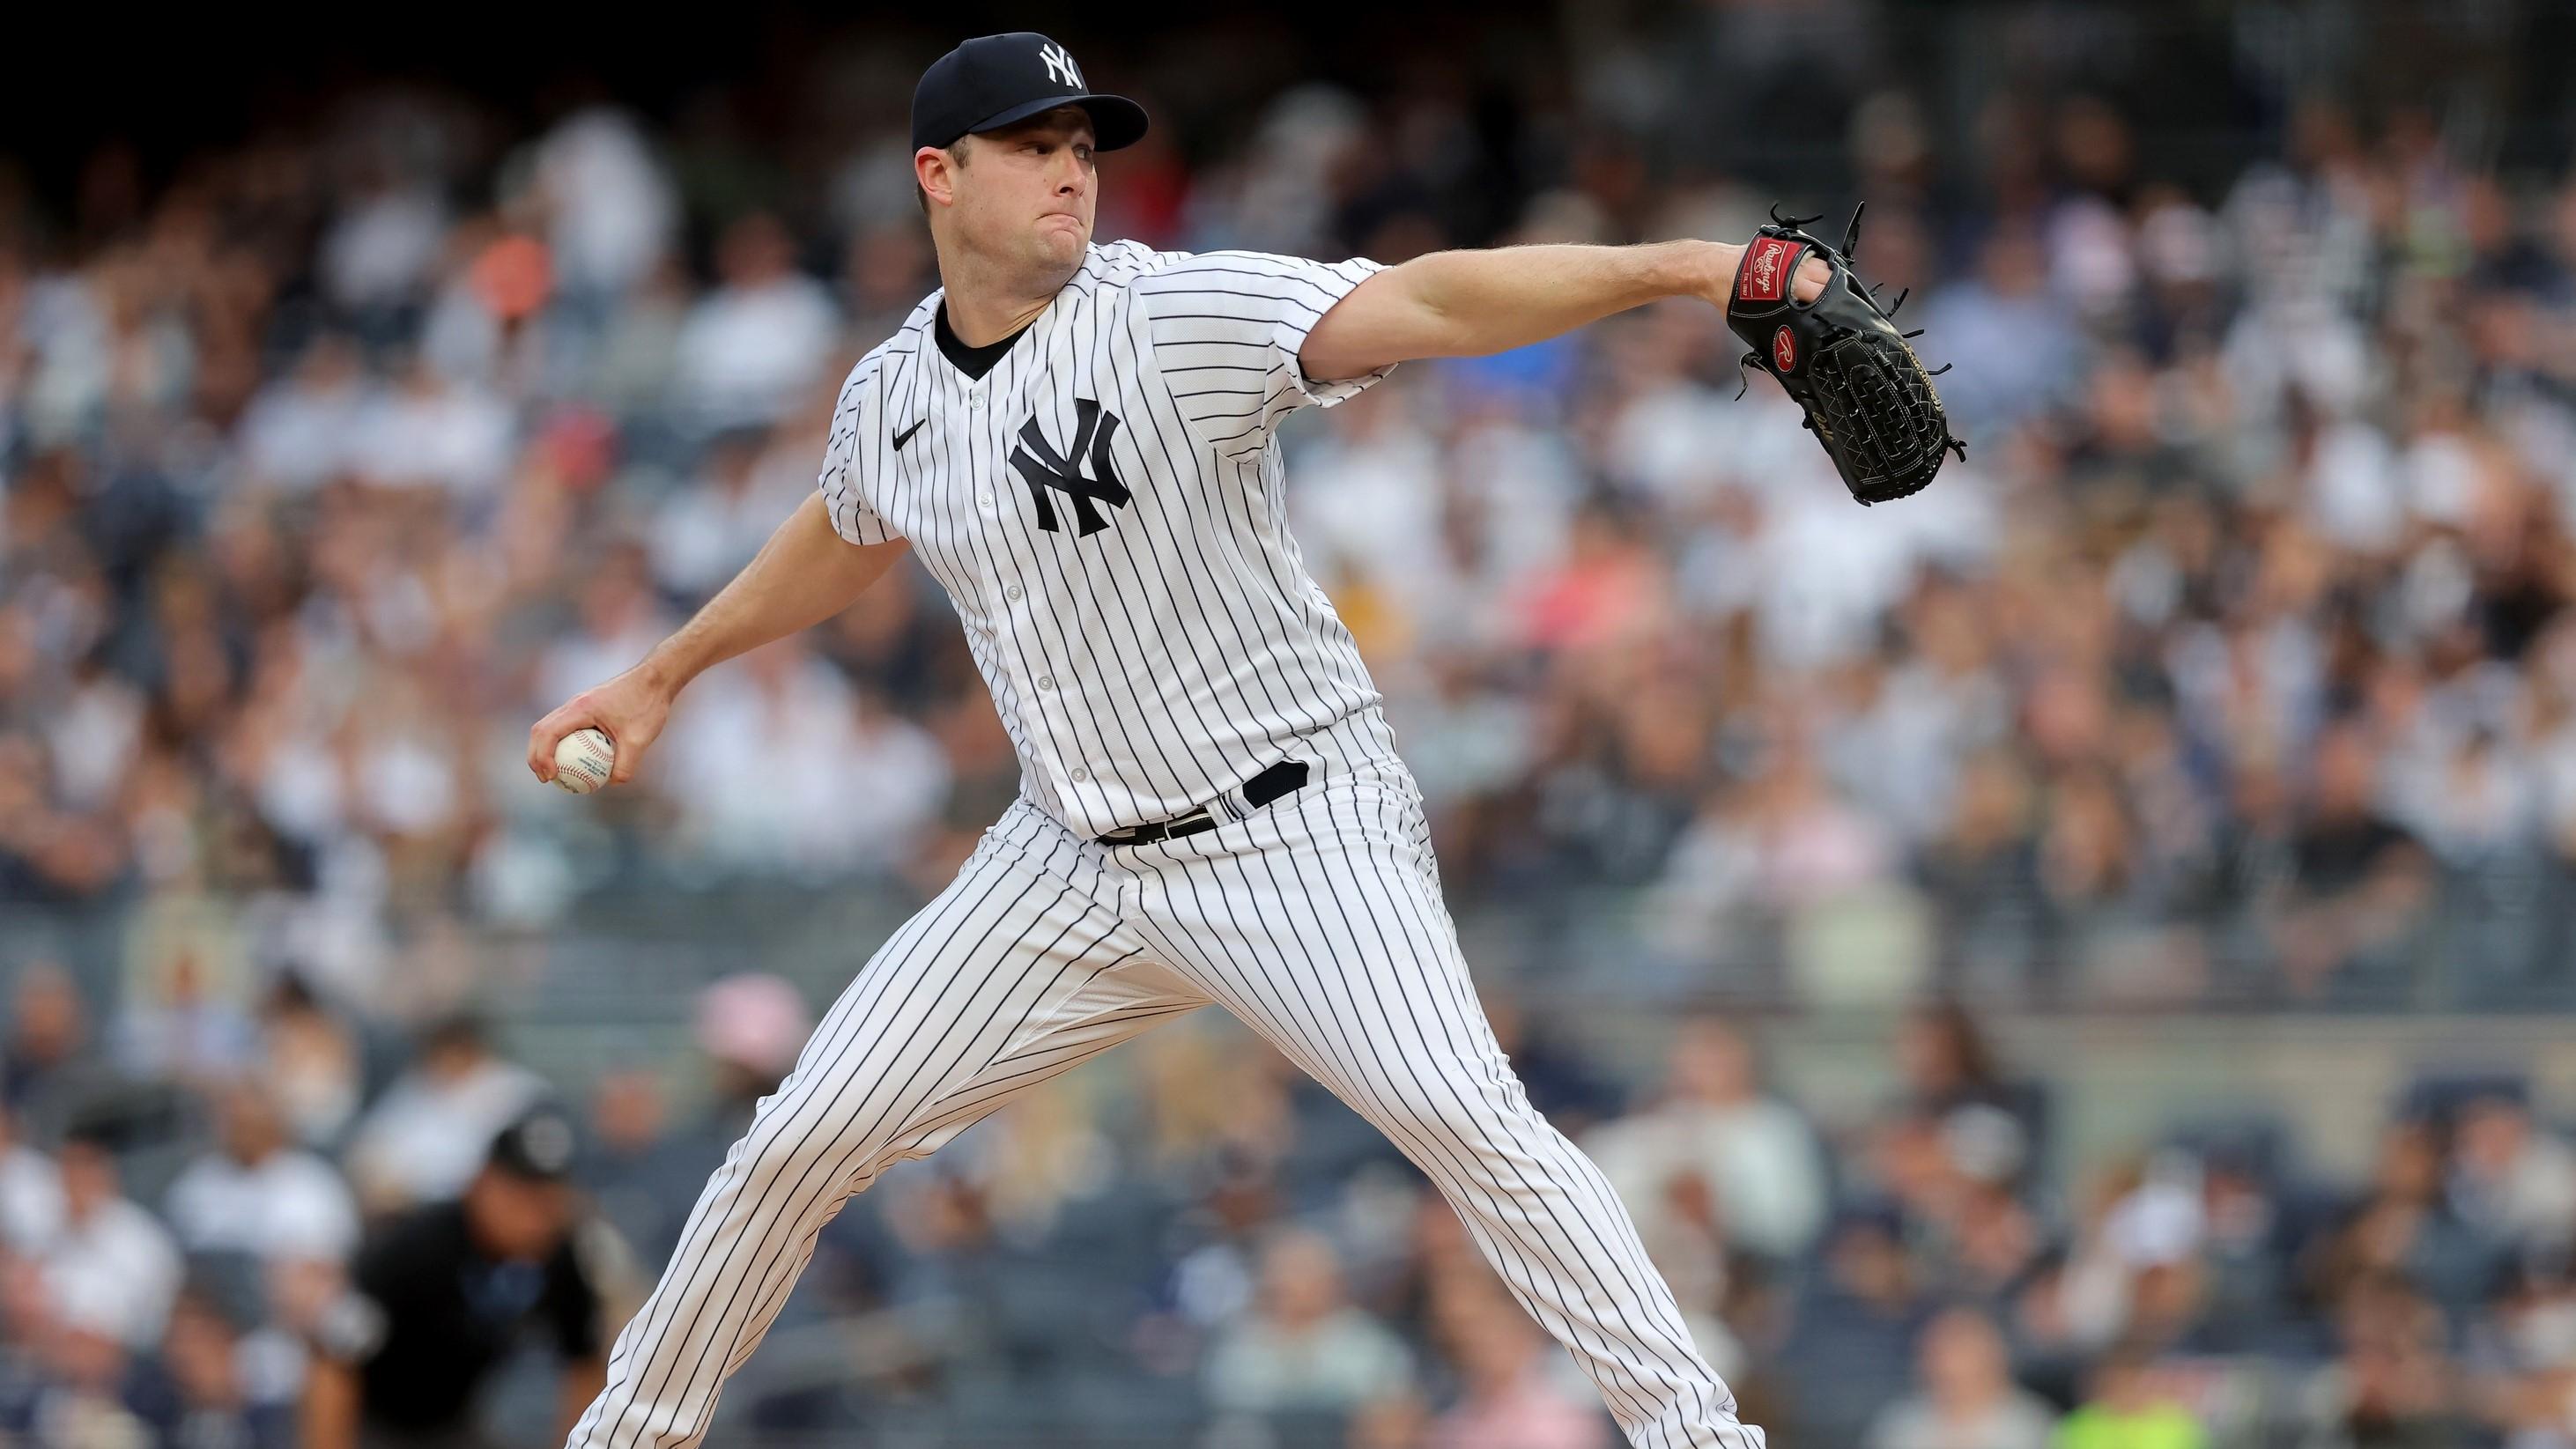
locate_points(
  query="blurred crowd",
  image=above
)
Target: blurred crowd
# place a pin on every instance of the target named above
(1192, 1244)
(2232, 666)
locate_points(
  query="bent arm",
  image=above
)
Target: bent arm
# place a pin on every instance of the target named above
(805, 574)
(1469, 303)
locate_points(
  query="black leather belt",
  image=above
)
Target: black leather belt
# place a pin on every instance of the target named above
(1285, 778)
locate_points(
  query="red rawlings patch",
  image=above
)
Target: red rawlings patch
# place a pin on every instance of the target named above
(1784, 350)
(1764, 275)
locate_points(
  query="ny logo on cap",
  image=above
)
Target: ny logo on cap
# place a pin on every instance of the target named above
(1060, 67)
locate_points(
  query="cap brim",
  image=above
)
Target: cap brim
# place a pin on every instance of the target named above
(1115, 120)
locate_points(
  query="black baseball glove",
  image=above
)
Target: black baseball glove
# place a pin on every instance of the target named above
(1866, 395)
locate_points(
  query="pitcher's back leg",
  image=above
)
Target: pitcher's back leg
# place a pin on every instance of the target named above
(1012, 976)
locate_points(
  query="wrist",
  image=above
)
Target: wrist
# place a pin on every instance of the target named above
(667, 669)
(1703, 268)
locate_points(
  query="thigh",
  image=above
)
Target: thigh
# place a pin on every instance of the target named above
(1320, 923)
(1017, 971)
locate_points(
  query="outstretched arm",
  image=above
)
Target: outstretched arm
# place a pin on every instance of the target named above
(805, 574)
(1469, 303)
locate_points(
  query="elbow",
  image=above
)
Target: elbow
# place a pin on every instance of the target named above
(1390, 318)
(1440, 327)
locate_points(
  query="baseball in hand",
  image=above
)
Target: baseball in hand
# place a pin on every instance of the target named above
(583, 760)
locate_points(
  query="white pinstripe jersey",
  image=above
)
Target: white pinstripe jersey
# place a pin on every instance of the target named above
(1105, 508)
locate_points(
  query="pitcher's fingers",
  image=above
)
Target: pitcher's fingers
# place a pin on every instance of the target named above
(545, 735)
(626, 752)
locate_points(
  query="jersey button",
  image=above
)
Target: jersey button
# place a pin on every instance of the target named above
(1011, 592)
(975, 401)
(1046, 681)
(1080, 774)
(986, 499)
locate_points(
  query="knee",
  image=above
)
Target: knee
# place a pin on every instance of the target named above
(785, 1146)
(1453, 1108)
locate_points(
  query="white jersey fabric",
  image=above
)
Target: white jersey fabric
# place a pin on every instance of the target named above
(1106, 509)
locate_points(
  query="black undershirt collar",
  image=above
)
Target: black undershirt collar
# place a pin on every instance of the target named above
(972, 361)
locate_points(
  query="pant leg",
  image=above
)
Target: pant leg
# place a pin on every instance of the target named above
(1319, 922)
(1017, 972)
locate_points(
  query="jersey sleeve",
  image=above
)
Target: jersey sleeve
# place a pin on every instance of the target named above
(854, 426)
(1226, 328)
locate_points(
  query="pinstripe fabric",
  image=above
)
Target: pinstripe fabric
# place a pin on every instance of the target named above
(1017, 972)
(1144, 669)
(1318, 922)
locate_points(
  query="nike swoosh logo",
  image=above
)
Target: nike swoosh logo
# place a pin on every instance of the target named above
(906, 435)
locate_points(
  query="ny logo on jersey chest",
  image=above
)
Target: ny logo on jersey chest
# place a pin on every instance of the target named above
(1045, 468)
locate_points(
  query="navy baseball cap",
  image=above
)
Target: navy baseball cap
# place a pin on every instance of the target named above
(993, 80)
(539, 1147)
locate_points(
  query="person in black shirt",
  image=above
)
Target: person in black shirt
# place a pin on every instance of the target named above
(2359, 883)
(440, 1297)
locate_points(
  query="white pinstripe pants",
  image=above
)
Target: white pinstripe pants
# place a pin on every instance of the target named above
(1319, 923)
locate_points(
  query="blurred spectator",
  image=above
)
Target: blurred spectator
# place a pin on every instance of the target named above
(182, 1024)
(1860, 1313)
(204, 1395)
(619, 623)
(84, 1396)
(2510, 1179)
(756, 343)
(2401, 1226)
(2017, 345)
(1754, 1152)
(301, 430)
(1508, 1397)
(439, 1296)
(425, 431)
(426, 1135)
(2359, 879)
(2128, 1409)
(2393, 1383)
(308, 1060)
(609, 208)
(873, 781)
(1948, 1065)
(31, 1192)
(377, 257)
(1302, 1347)
(1398, 1421)
(112, 1267)
(1967, 1398)
(258, 1195)
(49, 1072)
(625, 1172)
(704, 534)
